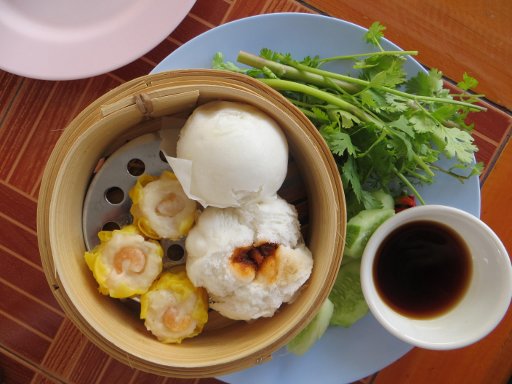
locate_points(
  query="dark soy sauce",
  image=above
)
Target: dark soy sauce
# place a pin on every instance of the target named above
(422, 269)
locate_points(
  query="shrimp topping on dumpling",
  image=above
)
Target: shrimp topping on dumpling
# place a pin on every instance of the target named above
(124, 264)
(160, 207)
(174, 308)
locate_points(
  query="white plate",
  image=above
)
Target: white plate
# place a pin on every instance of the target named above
(342, 355)
(71, 39)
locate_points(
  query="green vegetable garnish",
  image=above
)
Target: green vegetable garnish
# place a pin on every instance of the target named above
(313, 331)
(382, 128)
(361, 227)
(347, 296)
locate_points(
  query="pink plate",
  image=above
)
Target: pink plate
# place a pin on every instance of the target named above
(72, 39)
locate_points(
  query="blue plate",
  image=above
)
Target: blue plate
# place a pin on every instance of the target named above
(342, 355)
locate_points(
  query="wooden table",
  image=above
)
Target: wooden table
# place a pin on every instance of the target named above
(38, 344)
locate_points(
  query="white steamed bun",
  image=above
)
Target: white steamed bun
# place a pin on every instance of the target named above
(229, 154)
(250, 259)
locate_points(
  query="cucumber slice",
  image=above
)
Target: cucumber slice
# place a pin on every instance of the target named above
(313, 331)
(347, 296)
(361, 227)
(385, 200)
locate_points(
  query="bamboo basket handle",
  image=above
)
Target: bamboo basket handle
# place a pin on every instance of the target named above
(153, 103)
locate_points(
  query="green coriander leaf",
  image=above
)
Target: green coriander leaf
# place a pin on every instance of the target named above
(458, 143)
(218, 60)
(320, 114)
(425, 150)
(425, 84)
(467, 82)
(354, 206)
(351, 179)
(312, 62)
(402, 124)
(374, 99)
(368, 99)
(384, 70)
(396, 103)
(219, 63)
(378, 79)
(369, 200)
(375, 33)
(436, 80)
(382, 159)
(419, 85)
(477, 169)
(395, 74)
(403, 144)
(339, 143)
(347, 119)
(267, 53)
(422, 122)
(444, 112)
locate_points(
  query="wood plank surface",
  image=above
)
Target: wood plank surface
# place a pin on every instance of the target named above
(455, 36)
(39, 344)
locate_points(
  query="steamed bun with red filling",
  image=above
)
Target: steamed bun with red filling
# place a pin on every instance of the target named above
(250, 259)
(230, 154)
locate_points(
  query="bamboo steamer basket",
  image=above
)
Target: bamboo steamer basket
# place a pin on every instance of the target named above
(125, 113)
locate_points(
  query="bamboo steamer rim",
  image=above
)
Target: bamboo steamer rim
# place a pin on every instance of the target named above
(93, 134)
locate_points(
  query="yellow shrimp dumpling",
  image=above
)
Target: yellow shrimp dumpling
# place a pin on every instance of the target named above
(124, 264)
(173, 308)
(160, 207)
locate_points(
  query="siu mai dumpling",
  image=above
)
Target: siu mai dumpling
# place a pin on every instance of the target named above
(173, 308)
(124, 264)
(161, 210)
